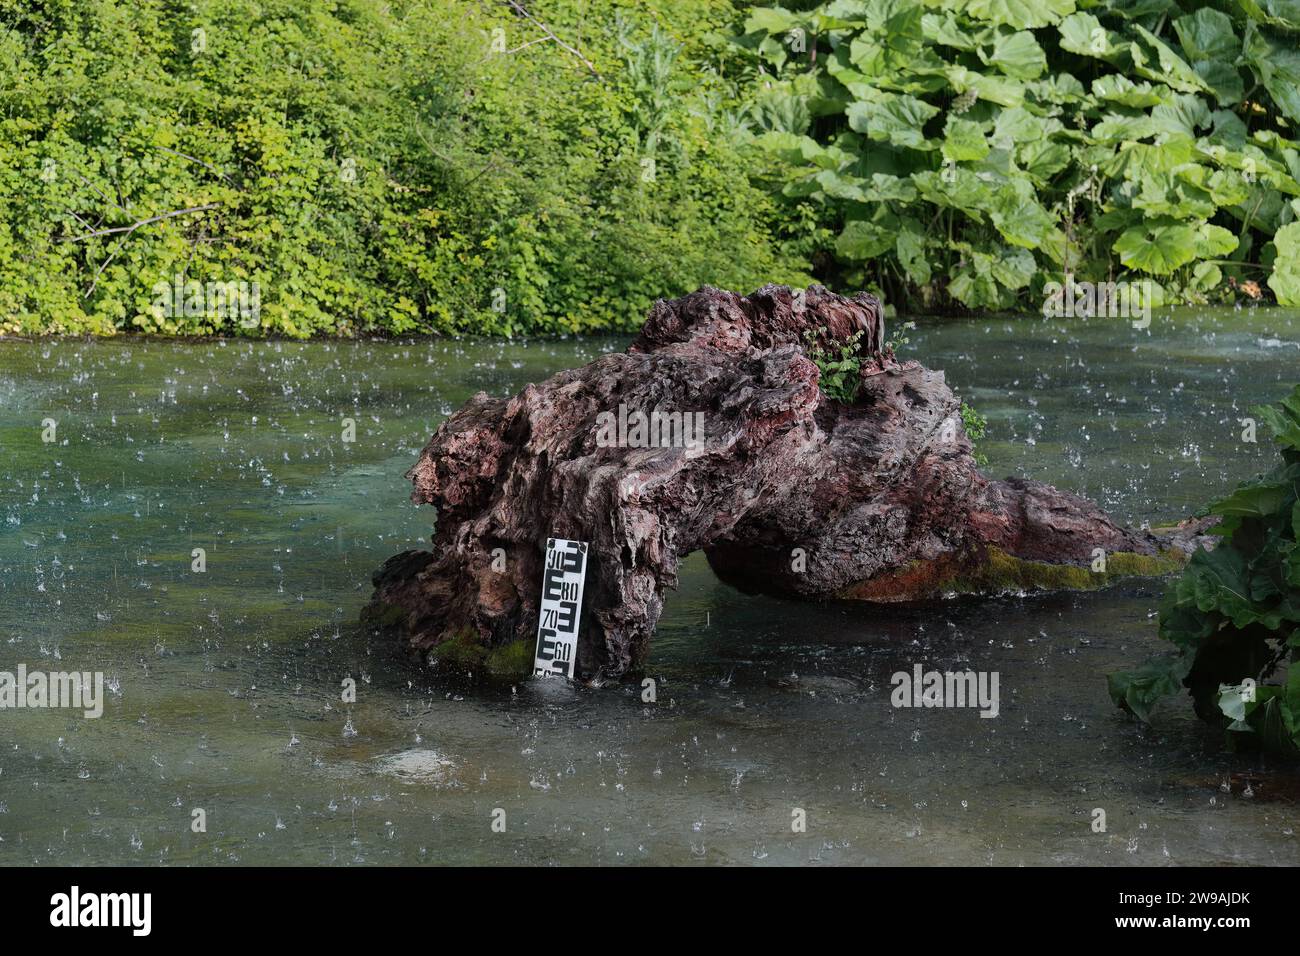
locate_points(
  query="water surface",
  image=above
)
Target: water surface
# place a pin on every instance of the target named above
(226, 685)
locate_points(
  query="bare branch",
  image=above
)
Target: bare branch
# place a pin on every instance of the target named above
(103, 195)
(83, 222)
(551, 33)
(104, 265)
(524, 46)
(143, 222)
(192, 159)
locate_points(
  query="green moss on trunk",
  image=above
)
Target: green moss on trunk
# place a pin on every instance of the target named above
(996, 572)
(464, 651)
(514, 660)
(1002, 572)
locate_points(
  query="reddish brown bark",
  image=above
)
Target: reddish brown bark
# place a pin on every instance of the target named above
(882, 497)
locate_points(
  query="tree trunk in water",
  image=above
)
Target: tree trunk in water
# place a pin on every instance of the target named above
(710, 433)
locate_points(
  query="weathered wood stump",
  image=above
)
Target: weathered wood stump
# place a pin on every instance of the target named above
(786, 491)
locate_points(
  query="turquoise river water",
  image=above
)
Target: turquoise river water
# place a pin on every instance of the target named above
(223, 688)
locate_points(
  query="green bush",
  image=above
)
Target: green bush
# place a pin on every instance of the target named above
(1234, 615)
(444, 166)
(967, 152)
(839, 366)
(975, 425)
(428, 165)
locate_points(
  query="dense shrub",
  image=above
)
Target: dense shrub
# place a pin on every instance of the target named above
(555, 165)
(968, 151)
(1234, 615)
(428, 165)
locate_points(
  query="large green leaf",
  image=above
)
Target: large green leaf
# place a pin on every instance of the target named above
(1278, 68)
(1284, 14)
(984, 281)
(1158, 249)
(1227, 187)
(1083, 33)
(1253, 164)
(1261, 498)
(1181, 115)
(1043, 159)
(1156, 60)
(1018, 55)
(1115, 128)
(883, 186)
(964, 140)
(1182, 622)
(1213, 241)
(1139, 690)
(1223, 78)
(945, 29)
(1117, 88)
(841, 187)
(1207, 34)
(1134, 161)
(771, 20)
(910, 248)
(1218, 581)
(1228, 130)
(1020, 14)
(1056, 89)
(867, 53)
(1019, 218)
(1283, 420)
(993, 89)
(1212, 47)
(1172, 195)
(955, 187)
(794, 148)
(893, 117)
(892, 45)
(862, 240)
(1285, 280)
(1018, 125)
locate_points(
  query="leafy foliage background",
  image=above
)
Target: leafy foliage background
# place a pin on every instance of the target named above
(398, 166)
(965, 153)
(375, 165)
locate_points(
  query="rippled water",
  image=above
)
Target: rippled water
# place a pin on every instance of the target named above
(226, 686)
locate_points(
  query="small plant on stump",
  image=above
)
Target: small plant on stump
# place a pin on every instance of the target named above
(975, 424)
(840, 367)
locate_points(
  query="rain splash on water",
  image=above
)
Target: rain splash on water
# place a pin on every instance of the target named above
(223, 687)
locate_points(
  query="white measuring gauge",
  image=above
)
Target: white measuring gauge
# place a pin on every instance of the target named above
(561, 608)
